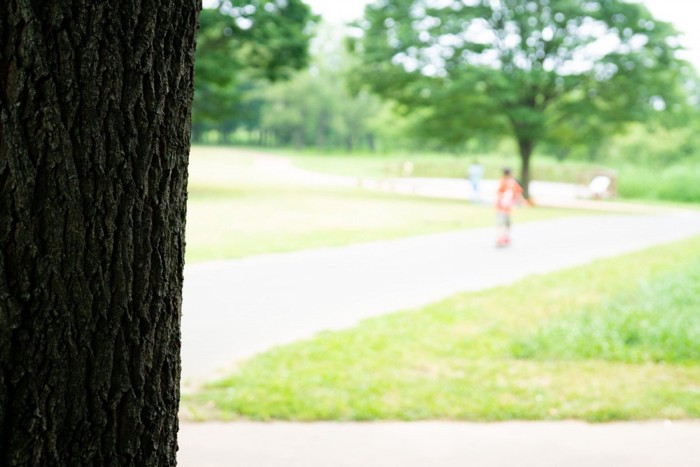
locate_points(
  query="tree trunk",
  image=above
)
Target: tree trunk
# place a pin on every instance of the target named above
(299, 141)
(525, 146)
(371, 142)
(95, 101)
(322, 130)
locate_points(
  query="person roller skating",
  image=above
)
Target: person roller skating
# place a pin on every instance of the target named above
(509, 193)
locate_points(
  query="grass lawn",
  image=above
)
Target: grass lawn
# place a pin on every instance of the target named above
(618, 339)
(240, 205)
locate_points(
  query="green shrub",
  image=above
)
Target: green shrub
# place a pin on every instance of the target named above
(675, 183)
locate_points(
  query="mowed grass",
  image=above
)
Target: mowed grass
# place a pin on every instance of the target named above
(242, 203)
(617, 339)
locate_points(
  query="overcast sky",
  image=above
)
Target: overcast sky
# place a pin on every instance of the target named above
(683, 14)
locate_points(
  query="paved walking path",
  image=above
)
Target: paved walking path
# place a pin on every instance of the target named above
(234, 309)
(440, 444)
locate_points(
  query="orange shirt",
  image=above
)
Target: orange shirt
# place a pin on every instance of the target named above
(509, 192)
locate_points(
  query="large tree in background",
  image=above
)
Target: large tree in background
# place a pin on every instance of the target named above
(537, 70)
(240, 42)
(95, 102)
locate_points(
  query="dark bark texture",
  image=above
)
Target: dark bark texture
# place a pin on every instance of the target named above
(95, 102)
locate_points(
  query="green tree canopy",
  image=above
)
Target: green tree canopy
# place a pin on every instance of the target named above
(240, 41)
(537, 70)
(315, 107)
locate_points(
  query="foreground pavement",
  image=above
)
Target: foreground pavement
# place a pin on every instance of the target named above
(440, 444)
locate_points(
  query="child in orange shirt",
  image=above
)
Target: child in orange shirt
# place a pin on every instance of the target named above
(509, 193)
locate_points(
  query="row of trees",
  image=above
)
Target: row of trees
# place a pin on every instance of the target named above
(551, 74)
(310, 104)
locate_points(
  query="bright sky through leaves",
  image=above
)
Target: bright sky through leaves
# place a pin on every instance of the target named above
(682, 13)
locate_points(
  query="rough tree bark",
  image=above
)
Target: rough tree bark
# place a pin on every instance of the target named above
(95, 102)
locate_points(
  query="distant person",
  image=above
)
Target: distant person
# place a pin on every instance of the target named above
(509, 193)
(475, 174)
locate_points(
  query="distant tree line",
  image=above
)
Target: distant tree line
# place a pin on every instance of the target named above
(586, 80)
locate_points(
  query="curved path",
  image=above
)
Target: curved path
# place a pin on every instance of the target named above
(234, 309)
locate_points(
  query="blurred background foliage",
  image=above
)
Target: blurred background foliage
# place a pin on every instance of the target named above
(271, 74)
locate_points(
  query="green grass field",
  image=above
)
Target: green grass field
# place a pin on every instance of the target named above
(614, 340)
(241, 205)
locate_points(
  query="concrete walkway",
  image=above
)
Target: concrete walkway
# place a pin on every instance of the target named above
(440, 444)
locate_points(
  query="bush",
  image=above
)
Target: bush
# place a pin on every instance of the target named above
(676, 183)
